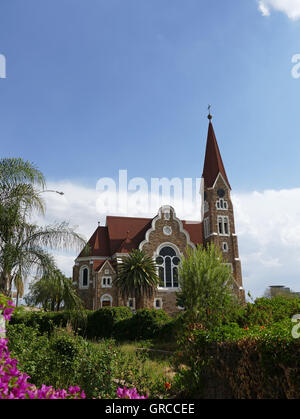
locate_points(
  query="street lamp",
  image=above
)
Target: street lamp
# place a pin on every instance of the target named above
(49, 190)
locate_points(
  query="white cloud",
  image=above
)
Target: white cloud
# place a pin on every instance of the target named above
(290, 7)
(267, 223)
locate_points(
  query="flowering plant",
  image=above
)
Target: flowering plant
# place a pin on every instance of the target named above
(129, 393)
(13, 383)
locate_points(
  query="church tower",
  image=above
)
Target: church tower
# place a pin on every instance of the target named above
(218, 214)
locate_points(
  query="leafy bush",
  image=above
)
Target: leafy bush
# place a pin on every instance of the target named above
(256, 362)
(102, 323)
(14, 384)
(145, 324)
(266, 311)
(45, 322)
(63, 360)
(109, 322)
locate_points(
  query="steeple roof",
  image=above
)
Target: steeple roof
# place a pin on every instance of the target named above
(213, 164)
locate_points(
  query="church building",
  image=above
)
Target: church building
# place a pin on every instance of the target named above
(164, 238)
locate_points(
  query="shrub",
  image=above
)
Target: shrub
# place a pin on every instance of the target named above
(267, 311)
(256, 362)
(145, 324)
(63, 360)
(45, 322)
(102, 323)
(13, 383)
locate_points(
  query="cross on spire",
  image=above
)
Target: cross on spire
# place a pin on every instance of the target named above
(209, 115)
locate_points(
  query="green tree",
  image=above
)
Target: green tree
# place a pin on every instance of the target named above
(206, 286)
(137, 277)
(23, 245)
(54, 292)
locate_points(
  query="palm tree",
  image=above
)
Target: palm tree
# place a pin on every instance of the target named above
(137, 277)
(53, 292)
(23, 244)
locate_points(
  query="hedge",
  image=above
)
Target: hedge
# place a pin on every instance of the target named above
(109, 322)
(262, 362)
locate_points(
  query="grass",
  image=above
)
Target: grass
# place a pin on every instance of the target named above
(146, 365)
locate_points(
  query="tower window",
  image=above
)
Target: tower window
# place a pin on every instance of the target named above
(221, 204)
(206, 207)
(223, 225)
(168, 263)
(225, 247)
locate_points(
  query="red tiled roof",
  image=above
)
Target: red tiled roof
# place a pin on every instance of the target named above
(120, 228)
(98, 264)
(98, 243)
(195, 230)
(124, 234)
(213, 164)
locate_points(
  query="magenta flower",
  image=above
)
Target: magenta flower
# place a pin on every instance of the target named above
(125, 393)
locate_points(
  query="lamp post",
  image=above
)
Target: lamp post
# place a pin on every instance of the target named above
(49, 190)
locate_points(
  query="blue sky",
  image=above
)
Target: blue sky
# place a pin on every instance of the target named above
(94, 86)
(97, 85)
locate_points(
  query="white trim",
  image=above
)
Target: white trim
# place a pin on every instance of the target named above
(119, 255)
(107, 261)
(178, 255)
(161, 211)
(106, 297)
(224, 203)
(106, 277)
(225, 244)
(224, 219)
(160, 303)
(220, 174)
(162, 289)
(206, 227)
(80, 279)
(87, 258)
(167, 244)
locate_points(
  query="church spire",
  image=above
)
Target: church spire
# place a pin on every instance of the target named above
(213, 164)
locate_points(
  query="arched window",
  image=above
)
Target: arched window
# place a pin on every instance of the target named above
(106, 301)
(168, 263)
(84, 277)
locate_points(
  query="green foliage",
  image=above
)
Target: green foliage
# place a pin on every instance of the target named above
(145, 324)
(103, 323)
(251, 362)
(23, 244)
(141, 369)
(46, 322)
(54, 291)
(64, 360)
(206, 286)
(137, 277)
(109, 322)
(266, 311)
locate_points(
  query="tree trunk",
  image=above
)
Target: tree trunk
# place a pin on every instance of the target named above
(5, 283)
